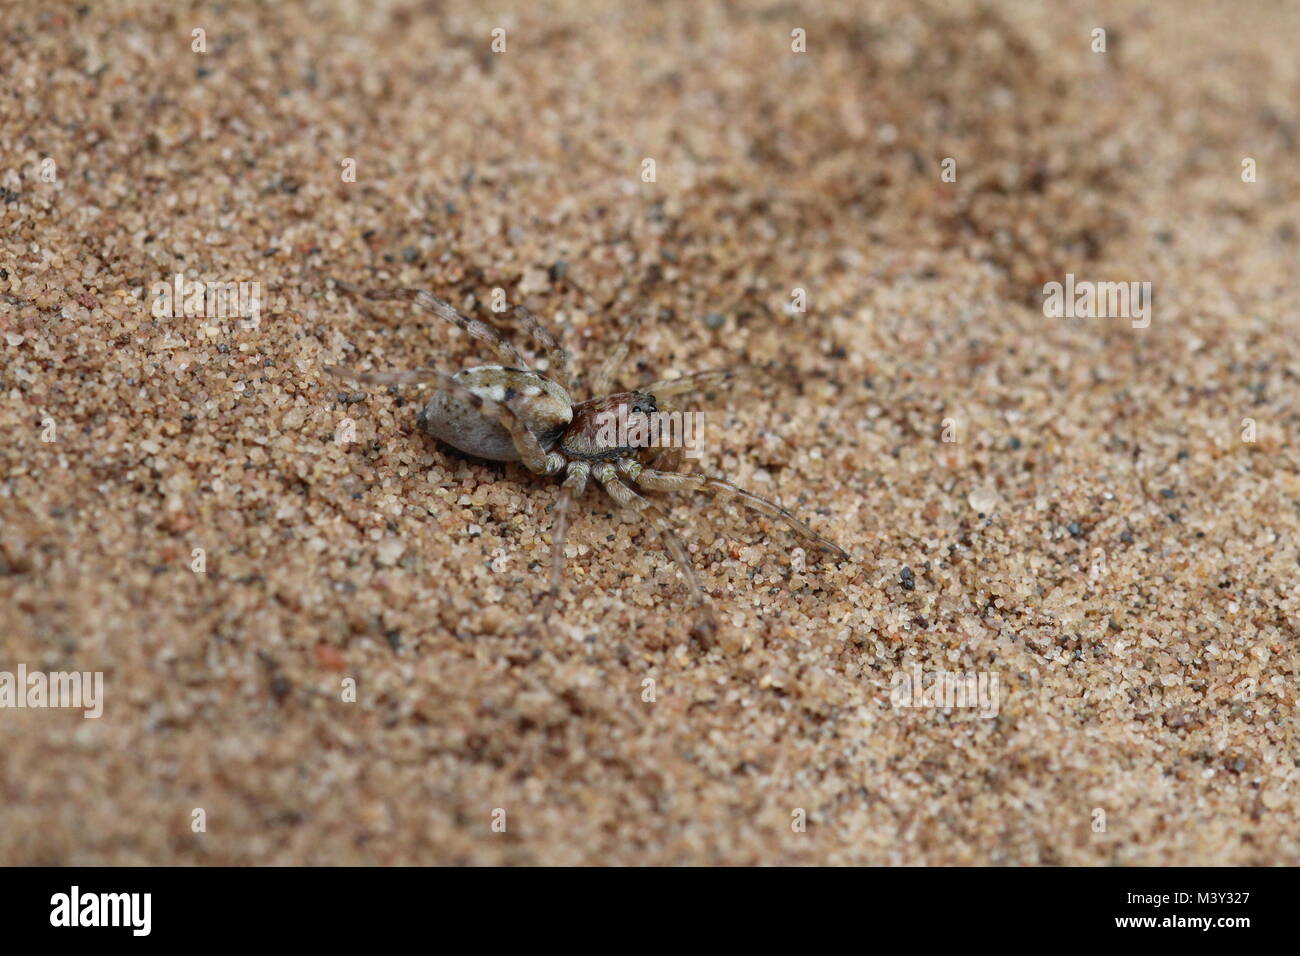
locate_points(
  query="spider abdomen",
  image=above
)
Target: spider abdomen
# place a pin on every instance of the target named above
(542, 405)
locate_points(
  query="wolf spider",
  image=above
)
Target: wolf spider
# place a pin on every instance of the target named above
(509, 413)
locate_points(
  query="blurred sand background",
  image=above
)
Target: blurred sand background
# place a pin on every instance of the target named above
(1098, 534)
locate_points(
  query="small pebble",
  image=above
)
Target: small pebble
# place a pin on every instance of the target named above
(984, 500)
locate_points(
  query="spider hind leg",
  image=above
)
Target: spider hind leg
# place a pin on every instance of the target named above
(510, 355)
(557, 359)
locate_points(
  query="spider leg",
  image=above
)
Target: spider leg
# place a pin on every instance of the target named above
(480, 330)
(600, 383)
(531, 452)
(695, 382)
(654, 480)
(557, 359)
(419, 376)
(607, 475)
(575, 483)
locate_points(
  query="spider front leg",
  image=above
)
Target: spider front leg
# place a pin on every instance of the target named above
(531, 453)
(607, 475)
(575, 483)
(608, 371)
(654, 480)
(695, 382)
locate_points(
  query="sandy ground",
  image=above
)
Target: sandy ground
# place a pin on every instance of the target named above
(1100, 517)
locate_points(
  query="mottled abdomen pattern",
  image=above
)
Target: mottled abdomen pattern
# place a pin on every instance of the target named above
(541, 405)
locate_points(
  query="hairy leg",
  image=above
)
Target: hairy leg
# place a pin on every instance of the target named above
(510, 355)
(575, 483)
(607, 475)
(654, 480)
(557, 359)
(531, 452)
(695, 382)
(608, 371)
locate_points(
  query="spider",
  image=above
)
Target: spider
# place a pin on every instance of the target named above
(508, 412)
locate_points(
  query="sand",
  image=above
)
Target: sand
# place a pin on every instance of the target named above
(1101, 518)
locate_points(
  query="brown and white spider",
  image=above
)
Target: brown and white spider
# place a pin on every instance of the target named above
(509, 413)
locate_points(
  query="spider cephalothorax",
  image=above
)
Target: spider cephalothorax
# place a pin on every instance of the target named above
(510, 413)
(594, 419)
